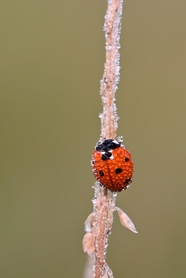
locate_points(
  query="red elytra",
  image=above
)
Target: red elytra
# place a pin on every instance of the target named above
(112, 165)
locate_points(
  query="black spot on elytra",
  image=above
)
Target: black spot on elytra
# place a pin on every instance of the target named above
(128, 181)
(126, 159)
(118, 170)
(106, 156)
(101, 173)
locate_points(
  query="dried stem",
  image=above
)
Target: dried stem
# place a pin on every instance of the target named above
(104, 206)
(104, 200)
(108, 84)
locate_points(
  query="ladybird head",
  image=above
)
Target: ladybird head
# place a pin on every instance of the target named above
(107, 145)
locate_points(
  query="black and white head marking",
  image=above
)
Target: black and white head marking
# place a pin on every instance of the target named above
(107, 145)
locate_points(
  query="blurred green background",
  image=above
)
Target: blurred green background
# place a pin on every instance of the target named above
(52, 56)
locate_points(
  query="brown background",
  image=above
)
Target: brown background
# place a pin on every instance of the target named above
(52, 56)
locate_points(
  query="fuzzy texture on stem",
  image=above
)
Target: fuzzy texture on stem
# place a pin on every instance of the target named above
(99, 223)
(104, 206)
(104, 202)
(109, 82)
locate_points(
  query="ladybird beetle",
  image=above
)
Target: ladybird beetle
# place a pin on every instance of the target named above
(112, 165)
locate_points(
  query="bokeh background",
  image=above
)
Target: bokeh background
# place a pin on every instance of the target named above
(52, 56)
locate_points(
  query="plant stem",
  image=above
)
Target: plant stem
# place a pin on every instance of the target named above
(108, 84)
(104, 200)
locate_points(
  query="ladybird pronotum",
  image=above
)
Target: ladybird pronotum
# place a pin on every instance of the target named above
(112, 165)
